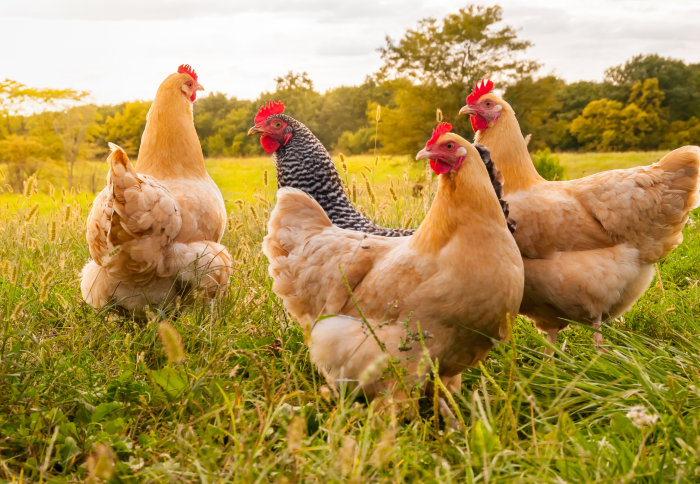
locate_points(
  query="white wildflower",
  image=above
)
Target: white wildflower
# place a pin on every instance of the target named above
(639, 417)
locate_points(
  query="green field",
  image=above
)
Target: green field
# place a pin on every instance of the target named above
(86, 393)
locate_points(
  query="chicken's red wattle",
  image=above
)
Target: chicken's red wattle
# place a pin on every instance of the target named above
(478, 123)
(269, 144)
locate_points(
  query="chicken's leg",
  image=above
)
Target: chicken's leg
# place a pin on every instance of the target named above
(552, 338)
(447, 414)
(597, 336)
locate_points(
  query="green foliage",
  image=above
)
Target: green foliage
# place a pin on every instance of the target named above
(679, 81)
(354, 143)
(536, 104)
(682, 133)
(222, 123)
(16, 97)
(459, 50)
(343, 110)
(300, 99)
(548, 165)
(607, 125)
(22, 155)
(407, 121)
(125, 127)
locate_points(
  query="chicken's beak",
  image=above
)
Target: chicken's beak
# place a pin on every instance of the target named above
(255, 130)
(199, 87)
(424, 154)
(467, 110)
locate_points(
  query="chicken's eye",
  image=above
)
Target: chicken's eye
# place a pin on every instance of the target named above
(449, 146)
(277, 125)
(488, 104)
(189, 84)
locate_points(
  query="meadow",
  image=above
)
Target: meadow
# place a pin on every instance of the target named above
(226, 391)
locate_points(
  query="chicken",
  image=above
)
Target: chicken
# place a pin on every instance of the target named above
(453, 282)
(155, 230)
(302, 162)
(588, 245)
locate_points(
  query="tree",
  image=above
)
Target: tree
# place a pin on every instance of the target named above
(648, 97)
(343, 111)
(21, 153)
(679, 81)
(125, 127)
(72, 127)
(300, 99)
(69, 123)
(407, 121)
(222, 124)
(17, 99)
(605, 124)
(460, 50)
(357, 142)
(292, 80)
(680, 133)
(536, 104)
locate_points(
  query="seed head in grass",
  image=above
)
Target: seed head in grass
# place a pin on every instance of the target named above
(172, 342)
(640, 417)
(100, 463)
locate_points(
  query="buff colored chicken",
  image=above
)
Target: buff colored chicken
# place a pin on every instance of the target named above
(154, 230)
(458, 276)
(589, 245)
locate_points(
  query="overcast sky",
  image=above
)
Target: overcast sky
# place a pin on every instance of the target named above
(122, 50)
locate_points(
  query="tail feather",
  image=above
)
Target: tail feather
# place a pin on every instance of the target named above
(646, 207)
(283, 228)
(682, 167)
(685, 164)
(121, 171)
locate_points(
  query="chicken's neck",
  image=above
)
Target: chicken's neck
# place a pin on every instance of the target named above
(169, 146)
(463, 199)
(509, 153)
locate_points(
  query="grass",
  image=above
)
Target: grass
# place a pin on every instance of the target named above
(90, 394)
(583, 164)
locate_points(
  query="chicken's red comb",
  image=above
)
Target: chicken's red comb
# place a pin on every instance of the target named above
(480, 90)
(441, 129)
(188, 69)
(272, 107)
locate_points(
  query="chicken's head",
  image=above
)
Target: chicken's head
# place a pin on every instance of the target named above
(271, 125)
(186, 79)
(483, 107)
(444, 149)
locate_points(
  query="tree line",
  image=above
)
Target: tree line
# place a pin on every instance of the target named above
(649, 102)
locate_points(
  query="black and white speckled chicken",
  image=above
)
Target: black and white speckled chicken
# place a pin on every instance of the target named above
(302, 162)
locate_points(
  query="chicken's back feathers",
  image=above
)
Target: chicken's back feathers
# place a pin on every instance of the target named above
(306, 269)
(647, 206)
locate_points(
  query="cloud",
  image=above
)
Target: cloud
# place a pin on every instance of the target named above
(109, 10)
(238, 47)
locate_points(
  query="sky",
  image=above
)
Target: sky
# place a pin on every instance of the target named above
(122, 50)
